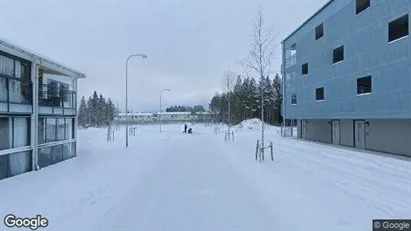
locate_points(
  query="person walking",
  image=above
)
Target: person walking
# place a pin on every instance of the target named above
(185, 128)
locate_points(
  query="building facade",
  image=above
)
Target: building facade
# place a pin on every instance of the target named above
(165, 117)
(38, 116)
(347, 75)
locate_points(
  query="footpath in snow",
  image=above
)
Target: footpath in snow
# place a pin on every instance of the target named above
(175, 181)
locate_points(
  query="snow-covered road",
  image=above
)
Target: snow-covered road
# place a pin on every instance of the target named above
(195, 187)
(174, 181)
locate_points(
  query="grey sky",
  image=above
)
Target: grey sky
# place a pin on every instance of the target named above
(189, 44)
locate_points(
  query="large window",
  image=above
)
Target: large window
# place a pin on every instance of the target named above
(15, 164)
(15, 73)
(14, 132)
(364, 85)
(55, 129)
(21, 132)
(55, 154)
(6, 66)
(319, 31)
(398, 28)
(361, 5)
(319, 94)
(338, 54)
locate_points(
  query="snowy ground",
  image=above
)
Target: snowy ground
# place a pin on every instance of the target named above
(175, 181)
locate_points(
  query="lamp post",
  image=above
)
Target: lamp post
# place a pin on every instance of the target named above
(135, 55)
(160, 105)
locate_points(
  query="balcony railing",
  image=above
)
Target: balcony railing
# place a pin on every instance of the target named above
(15, 90)
(57, 98)
(290, 61)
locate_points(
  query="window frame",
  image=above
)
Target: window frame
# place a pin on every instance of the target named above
(357, 12)
(302, 69)
(390, 40)
(335, 50)
(322, 93)
(11, 133)
(370, 85)
(294, 96)
(319, 33)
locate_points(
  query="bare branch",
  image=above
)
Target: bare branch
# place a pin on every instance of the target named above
(261, 54)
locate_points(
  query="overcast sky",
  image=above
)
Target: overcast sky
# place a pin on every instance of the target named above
(189, 44)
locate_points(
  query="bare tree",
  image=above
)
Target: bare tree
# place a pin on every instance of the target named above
(260, 58)
(228, 84)
(262, 52)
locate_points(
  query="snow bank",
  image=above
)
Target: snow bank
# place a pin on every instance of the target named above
(251, 124)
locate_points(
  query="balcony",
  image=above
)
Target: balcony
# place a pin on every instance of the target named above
(291, 61)
(15, 95)
(53, 101)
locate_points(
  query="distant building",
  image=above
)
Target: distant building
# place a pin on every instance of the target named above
(165, 117)
(347, 74)
(38, 116)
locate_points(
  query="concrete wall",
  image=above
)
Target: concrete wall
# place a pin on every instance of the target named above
(347, 133)
(318, 130)
(366, 52)
(392, 136)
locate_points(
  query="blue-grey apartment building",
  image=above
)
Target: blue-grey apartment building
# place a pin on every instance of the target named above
(347, 75)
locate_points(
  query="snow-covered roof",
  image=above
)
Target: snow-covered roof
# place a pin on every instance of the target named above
(44, 61)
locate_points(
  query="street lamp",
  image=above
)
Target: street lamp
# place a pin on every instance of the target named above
(135, 55)
(160, 105)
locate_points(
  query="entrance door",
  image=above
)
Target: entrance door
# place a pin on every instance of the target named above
(336, 132)
(359, 134)
(303, 129)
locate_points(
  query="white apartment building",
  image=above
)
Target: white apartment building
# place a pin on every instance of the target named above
(38, 116)
(166, 117)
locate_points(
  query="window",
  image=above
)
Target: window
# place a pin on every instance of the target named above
(398, 28)
(14, 132)
(5, 133)
(15, 164)
(50, 129)
(319, 31)
(304, 69)
(52, 87)
(41, 131)
(6, 66)
(364, 85)
(338, 54)
(64, 91)
(294, 99)
(319, 94)
(21, 135)
(69, 128)
(362, 5)
(60, 129)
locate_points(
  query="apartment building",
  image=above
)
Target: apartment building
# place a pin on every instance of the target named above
(38, 116)
(347, 75)
(165, 117)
